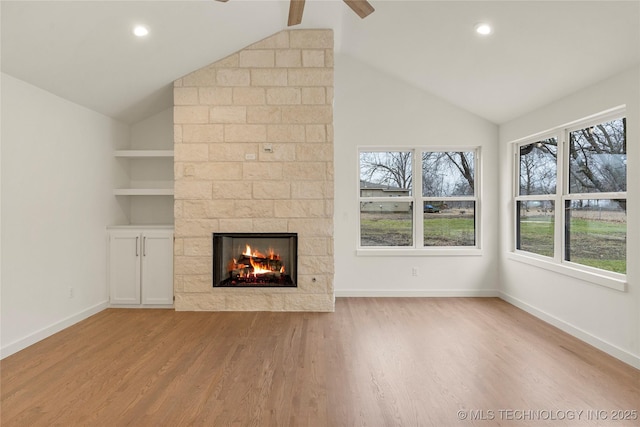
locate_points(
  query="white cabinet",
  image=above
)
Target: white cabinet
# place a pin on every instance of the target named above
(141, 266)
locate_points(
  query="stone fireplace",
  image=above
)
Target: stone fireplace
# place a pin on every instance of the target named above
(253, 149)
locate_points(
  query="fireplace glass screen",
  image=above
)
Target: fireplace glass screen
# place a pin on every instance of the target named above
(255, 259)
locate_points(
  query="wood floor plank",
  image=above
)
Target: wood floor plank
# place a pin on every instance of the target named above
(374, 362)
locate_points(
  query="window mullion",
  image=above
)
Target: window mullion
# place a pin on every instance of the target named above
(418, 221)
(562, 188)
(515, 225)
(601, 196)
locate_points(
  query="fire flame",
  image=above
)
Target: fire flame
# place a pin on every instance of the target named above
(248, 252)
(258, 267)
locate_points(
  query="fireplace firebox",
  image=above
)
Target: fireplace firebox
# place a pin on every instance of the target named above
(255, 259)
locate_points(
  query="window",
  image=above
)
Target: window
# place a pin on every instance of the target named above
(418, 198)
(571, 196)
(536, 196)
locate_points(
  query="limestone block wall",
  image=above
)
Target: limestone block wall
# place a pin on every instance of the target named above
(253, 137)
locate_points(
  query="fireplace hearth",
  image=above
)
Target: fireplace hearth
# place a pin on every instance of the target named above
(255, 259)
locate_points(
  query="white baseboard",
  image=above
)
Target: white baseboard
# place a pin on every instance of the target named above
(581, 334)
(430, 293)
(43, 333)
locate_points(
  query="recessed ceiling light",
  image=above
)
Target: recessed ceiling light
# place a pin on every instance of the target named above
(140, 30)
(484, 29)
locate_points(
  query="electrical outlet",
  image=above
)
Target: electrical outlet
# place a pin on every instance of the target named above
(70, 293)
(414, 271)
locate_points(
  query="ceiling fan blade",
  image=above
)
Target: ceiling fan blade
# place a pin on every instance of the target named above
(362, 7)
(223, 1)
(296, 7)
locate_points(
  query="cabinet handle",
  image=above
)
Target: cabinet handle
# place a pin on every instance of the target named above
(137, 237)
(144, 246)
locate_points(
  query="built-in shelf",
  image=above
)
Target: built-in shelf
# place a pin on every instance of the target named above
(143, 153)
(152, 190)
(144, 184)
(143, 192)
(143, 172)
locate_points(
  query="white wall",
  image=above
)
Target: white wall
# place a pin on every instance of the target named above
(154, 132)
(57, 197)
(375, 109)
(606, 318)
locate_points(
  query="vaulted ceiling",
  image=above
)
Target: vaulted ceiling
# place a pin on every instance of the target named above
(540, 51)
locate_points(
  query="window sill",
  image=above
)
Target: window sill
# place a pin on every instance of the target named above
(619, 284)
(426, 252)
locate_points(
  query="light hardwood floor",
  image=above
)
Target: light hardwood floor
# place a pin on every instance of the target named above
(374, 362)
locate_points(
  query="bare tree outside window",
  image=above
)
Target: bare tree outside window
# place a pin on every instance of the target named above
(448, 174)
(598, 158)
(538, 168)
(391, 169)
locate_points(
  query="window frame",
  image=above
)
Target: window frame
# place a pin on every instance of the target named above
(562, 194)
(553, 197)
(418, 200)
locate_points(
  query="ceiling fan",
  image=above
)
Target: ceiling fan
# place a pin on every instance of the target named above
(361, 7)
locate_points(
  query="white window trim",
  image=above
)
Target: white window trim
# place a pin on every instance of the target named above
(557, 263)
(417, 249)
(576, 271)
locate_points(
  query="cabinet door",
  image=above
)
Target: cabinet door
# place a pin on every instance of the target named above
(157, 267)
(124, 267)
